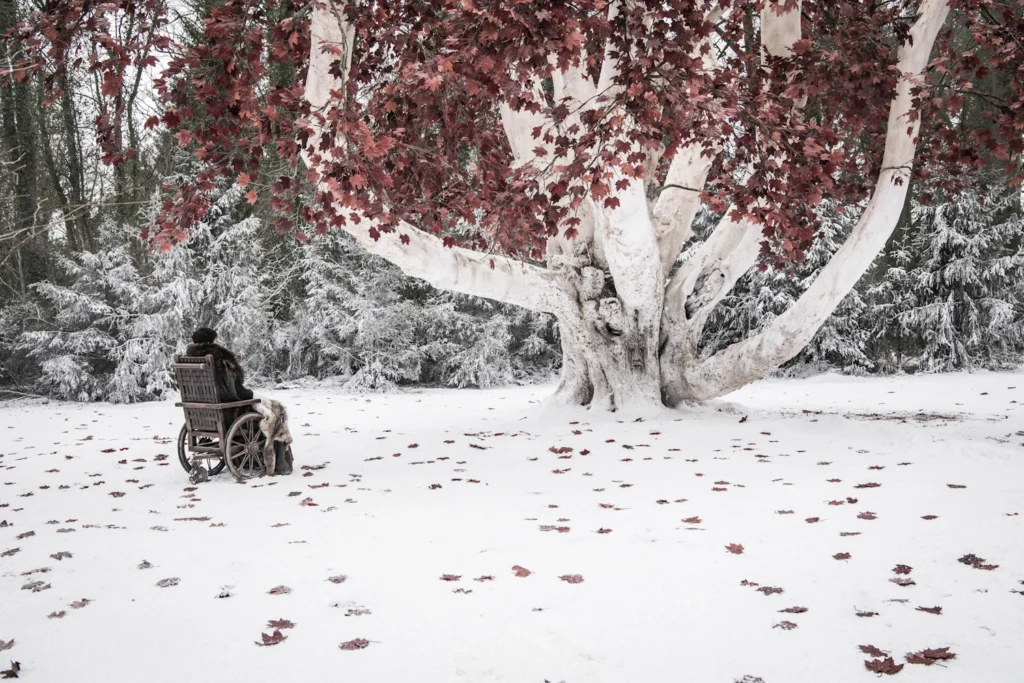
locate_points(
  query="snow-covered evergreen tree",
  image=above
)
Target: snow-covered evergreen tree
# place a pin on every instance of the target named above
(957, 301)
(91, 317)
(360, 318)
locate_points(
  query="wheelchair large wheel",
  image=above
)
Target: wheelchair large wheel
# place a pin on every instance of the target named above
(188, 460)
(245, 444)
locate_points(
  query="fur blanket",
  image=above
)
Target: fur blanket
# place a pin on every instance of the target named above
(278, 452)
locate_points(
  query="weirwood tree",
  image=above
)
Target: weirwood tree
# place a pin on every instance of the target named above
(553, 154)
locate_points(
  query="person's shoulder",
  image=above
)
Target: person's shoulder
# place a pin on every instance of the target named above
(222, 353)
(196, 350)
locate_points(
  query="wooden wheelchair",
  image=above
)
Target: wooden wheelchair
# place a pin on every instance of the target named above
(216, 435)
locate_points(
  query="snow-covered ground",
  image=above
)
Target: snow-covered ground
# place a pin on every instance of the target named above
(828, 484)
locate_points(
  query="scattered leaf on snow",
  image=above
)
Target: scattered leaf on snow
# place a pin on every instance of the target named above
(883, 666)
(769, 590)
(79, 604)
(280, 623)
(930, 656)
(956, 486)
(450, 577)
(274, 639)
(571, 578)
(6, 644)
(902, 569)
(521, 572)
(56, 615)
(861, 613)
(972, 560)
(63, 554)
(165, 583)
(867, 515)
(356, 612)
(869, 485)
(692, 520)
(735, 548)
(279, 590)
(356, 644)
(873, 651)
(785, 625)
(604, 531)
(813, 520)
(12, 672)
(481, 579)
(145, 565)
(930, 610)
(903, 581)
(794, 610)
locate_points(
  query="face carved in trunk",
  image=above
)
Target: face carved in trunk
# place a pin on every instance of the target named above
(635, 354)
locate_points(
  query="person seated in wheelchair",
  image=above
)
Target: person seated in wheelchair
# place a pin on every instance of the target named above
(230, 380)
(228, 371)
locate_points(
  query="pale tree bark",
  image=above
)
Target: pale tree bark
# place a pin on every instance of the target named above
(746, 361)
(630, 334)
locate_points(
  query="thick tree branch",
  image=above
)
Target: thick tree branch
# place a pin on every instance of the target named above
(416, 252)
(676, 207)
(789, 333)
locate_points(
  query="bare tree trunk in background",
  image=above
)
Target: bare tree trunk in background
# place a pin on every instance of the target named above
(18, 136)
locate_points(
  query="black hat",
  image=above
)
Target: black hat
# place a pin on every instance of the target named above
(204, 335)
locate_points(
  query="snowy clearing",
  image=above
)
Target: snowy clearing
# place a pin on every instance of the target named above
(835, 490)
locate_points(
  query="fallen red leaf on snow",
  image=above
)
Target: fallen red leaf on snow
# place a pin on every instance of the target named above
(280, 623)
(571, 578)
(356, 644)
(930, 656)
(883, 666)
(274, 639)
(972, 560)
(521, 572)
(735, 548)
